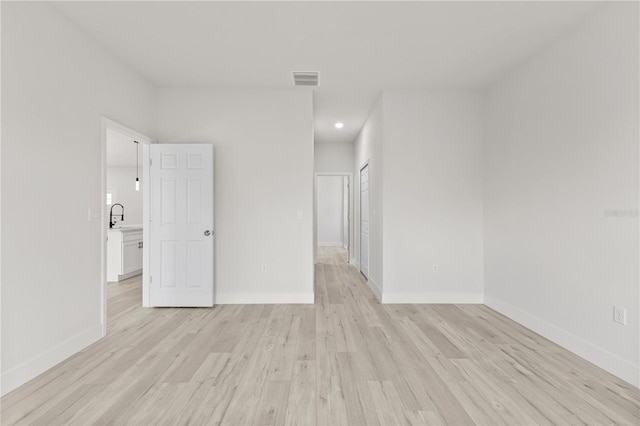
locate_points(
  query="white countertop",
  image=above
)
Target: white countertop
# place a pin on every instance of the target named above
(127, 228)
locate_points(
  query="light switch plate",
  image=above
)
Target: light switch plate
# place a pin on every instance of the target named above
(94, 215)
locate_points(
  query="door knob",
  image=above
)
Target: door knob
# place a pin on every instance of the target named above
(207, 233)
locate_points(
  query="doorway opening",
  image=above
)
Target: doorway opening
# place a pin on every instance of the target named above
(333, 218)
(122, 213)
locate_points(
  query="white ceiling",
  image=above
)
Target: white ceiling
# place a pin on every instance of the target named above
(121, 150)
(359, 48)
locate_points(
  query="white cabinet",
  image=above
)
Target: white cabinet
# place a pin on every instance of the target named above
(124, 253)
(131, 257)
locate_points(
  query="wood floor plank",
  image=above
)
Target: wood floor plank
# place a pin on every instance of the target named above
(306, 350)
(63, 412)
(272, 406)
(242, 408)
(282, 361)
(210, 409)
(387, 407)
(346, 360)
(301, 404)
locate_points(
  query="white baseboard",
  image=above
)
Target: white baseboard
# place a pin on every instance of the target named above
(129, 275)
(263, 298)
(355, 263)
(457, 298)
(27, 370)
(604, 359)
(375, 288)
(330, 244)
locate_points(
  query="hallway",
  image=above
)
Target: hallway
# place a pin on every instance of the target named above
(332, 256)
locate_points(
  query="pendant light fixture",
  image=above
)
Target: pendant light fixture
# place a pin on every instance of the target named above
(137, 167)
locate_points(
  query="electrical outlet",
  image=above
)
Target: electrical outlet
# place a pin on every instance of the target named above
(436, 268)
(299, 214)
(264, 267)
(620, 315)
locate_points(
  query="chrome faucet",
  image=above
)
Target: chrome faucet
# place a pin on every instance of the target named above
(111, 222)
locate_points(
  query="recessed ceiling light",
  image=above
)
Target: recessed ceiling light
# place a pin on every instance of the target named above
(339, 125)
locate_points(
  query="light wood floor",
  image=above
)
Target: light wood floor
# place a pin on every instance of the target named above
(332, 256)
(345, 360)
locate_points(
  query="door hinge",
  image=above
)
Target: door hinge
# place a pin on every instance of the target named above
(151, 161)
(150, 279)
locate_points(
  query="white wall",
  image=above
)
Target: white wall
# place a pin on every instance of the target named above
(368, 148)
(123, 179)
(330, 210)
(263, 142)
(432, 188)
(56, 84)
(334, 157)
(561, 150)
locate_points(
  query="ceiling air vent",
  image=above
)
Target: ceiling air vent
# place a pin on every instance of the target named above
(306, 78)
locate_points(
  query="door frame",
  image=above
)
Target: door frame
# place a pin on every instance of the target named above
(368, 165)
(109, 124)
(350, 248)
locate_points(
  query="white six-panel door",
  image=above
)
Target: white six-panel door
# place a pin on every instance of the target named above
(364, 220)
(181, 225)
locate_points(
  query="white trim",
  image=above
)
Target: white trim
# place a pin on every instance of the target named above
(374, 287)
(27, 370)
(330, 244)
(146, 209)
(129, 275)
(604, 359)
(355, 263)
(108, 124)
(432, 297)
(263, 298)
(368, 165)
(121, 128)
